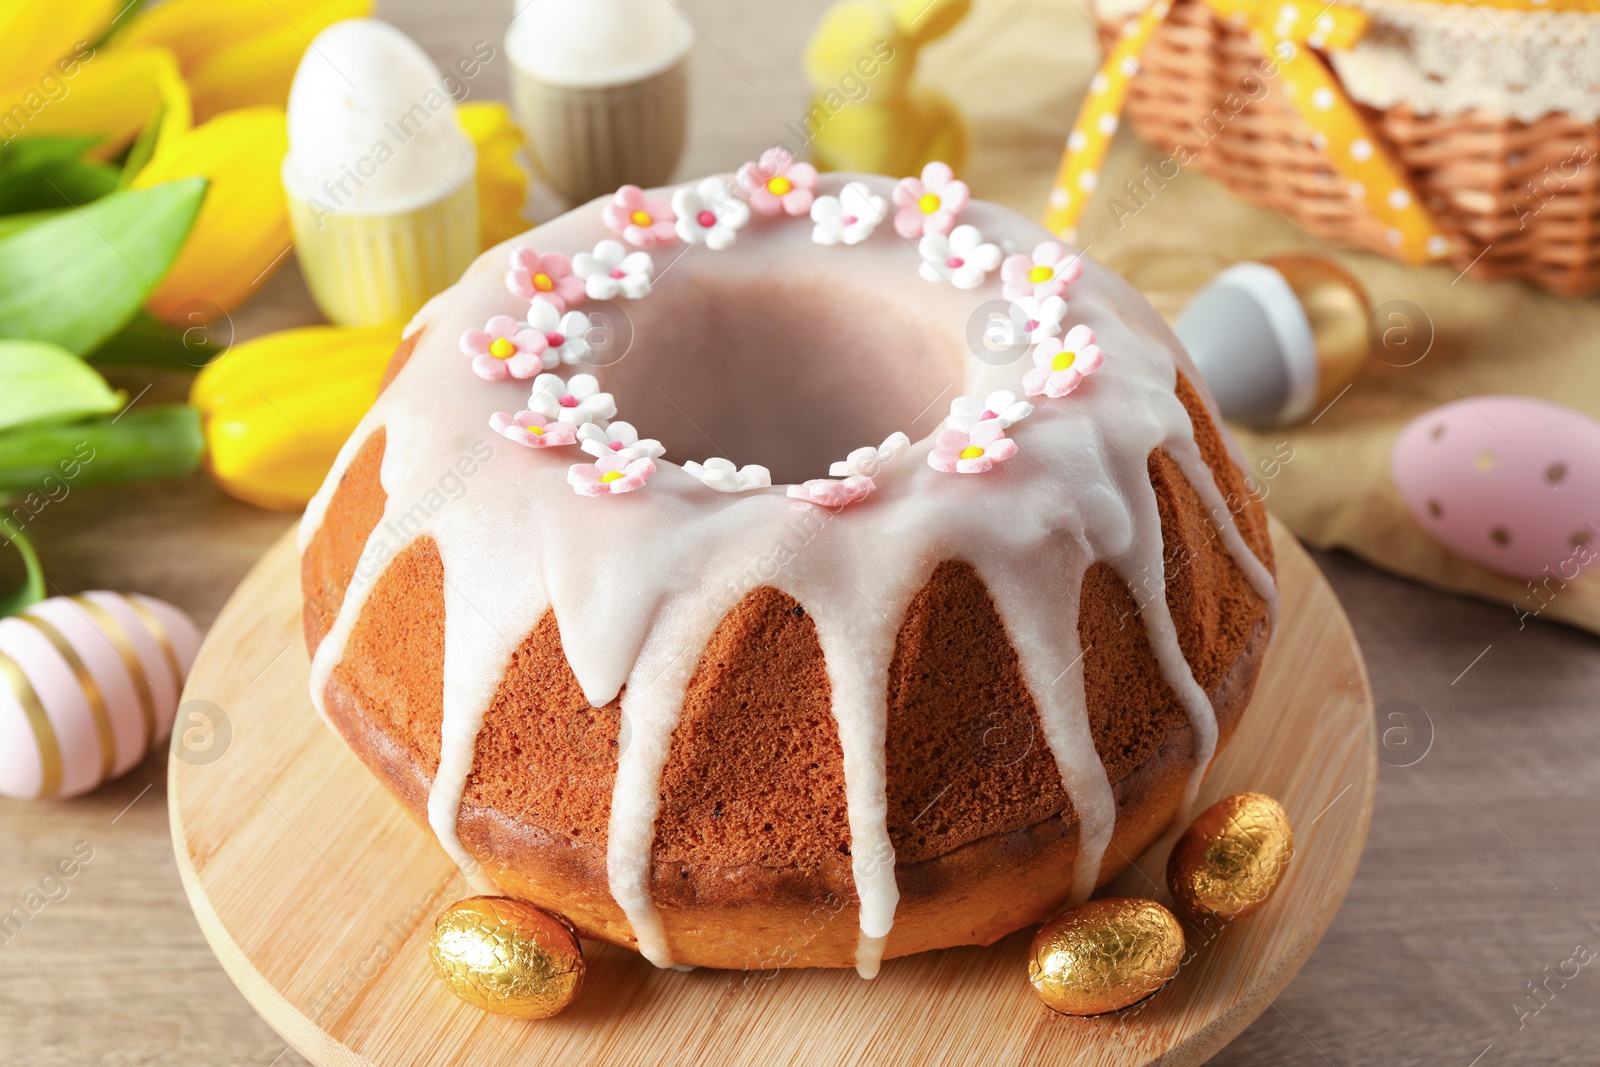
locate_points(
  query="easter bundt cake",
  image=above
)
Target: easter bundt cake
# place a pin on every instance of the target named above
(733, 683)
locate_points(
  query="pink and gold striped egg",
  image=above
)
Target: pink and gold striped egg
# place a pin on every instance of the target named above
(88, 685)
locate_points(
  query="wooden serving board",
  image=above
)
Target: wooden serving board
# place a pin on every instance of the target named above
(317, 891)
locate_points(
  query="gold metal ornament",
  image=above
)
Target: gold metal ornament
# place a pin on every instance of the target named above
(1338, 310)
(508, 957)
(1105, 955)
(1229, 861)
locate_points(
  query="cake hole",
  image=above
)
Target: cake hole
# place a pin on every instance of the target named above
(1555, 472)
(788, 371)
(1581, 538)
(1436, 509)
(1438, 432)
(1485, 461)
(1500, 536)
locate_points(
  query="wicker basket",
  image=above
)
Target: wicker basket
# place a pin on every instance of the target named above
(1483, 176)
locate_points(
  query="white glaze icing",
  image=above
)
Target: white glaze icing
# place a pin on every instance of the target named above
(639, 583)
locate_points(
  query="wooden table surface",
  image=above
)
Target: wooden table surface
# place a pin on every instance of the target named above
(1469, 938)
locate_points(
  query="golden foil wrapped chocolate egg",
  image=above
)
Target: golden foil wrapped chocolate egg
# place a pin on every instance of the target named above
(507, 956)
(1231, 858)
(1105, 955)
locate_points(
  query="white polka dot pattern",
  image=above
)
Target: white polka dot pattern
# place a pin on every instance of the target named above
(1372, 175)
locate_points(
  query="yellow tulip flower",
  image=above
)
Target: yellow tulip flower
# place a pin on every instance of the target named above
(39, 35)
(242, 233)
(502, 184)
(239, 53)
(112, 95)
(276, 410)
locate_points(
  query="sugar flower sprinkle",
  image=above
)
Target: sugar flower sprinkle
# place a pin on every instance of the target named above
(532, 429)
(1047, 272)
(848, 218)
(960, 452)
(721, 475)
(963, 258)
(929, 204)
(643, 222)
(1061, 365)
(610, 475)
(619, 439)
(777, 185)
(547, 277)
(710, 213)
(575, 401)
(505, 348)
(611, 271)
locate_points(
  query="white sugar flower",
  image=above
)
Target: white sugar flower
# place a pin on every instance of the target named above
(710, 213)
(721, 475)
(848, 218)
(967, 411)
(611, 271)
(618, 438)
(964, 258)
(1037, 318)
(871, 461)
(576, 401)
(566, 335)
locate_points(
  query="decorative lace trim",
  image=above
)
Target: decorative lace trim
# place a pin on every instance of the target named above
(1449, 58)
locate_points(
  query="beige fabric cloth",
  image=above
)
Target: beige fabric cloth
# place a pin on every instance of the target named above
(1019, 68)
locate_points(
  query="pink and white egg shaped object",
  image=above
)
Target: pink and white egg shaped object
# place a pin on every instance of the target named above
(88, 685)
(1508, 482)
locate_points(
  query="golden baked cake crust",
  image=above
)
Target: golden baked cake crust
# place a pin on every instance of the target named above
(751, 865)
(761, 717)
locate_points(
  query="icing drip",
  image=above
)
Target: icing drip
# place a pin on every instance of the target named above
(639, 583)
(331, 651)
(650, 709)
(857, 658)
(479, 640)
(1040, 606)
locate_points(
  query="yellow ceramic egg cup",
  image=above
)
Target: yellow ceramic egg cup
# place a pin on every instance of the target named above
(366, 270)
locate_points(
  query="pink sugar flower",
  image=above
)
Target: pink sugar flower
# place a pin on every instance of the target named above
(548, 277)
(931, 204)
(1046, 273)
(1061, 364)
(960, 452)
(778, 185)
(828, 493)
(609, 475)
(504, 348)
(642, 221)
(533, 430)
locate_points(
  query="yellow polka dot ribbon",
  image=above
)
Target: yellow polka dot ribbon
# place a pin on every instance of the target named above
(1281, 30)
(1090, 138)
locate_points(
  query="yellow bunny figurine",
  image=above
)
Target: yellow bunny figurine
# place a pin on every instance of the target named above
(866, 114)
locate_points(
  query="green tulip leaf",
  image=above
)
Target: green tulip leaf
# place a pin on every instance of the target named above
(10, 224)
(160, 441)
(149, 342)
(123, 18)
(41, 382)
(31, 589)
(77, 279)
(49, 173)
(143, 147)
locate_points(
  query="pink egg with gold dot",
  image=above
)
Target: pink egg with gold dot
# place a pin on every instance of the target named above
(1510, 483)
